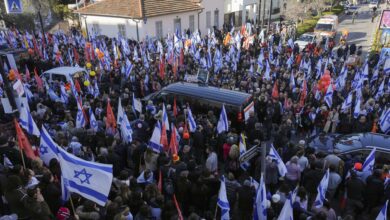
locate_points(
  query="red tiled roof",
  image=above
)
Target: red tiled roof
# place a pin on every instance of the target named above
(139, 8)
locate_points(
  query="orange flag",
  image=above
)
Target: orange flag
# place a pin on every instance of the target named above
(173, 145)
(275, 91)
(164, 138)
(38, 80)
(110, 118)
(162, 67)
(179, 215)
(23, 142)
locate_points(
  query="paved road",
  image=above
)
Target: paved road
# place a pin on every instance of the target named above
(363, 30)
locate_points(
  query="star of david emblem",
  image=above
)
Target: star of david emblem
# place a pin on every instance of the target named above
(43, 150)
(94, 123)
(81, 173)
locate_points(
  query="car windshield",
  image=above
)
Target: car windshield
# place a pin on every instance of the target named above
(306, 38)
(324, 27)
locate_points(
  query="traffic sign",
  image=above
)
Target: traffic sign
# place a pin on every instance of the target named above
(13, 6)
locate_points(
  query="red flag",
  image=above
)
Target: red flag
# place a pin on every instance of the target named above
(174, 107)
(86, 53)
(38, 80)
(162, 67)
(77, 86)
(275, 91)
(27, 73)
(303, 94)
(23, 142)
(110, 118)
(164, 138)
(173, 145)
(76, 55)
(181, 57)
(179, 215)
(92, 53)
(159, 184)
(175, 65)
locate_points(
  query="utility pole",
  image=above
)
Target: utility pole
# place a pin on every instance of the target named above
(40, 20)
(7, 87)
(269, 15)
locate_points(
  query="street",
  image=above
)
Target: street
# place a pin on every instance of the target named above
(362, 31)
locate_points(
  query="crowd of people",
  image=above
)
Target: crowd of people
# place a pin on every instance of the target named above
(297, 93)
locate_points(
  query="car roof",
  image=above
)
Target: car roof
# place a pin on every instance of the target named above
(11, 50)
(209, 92)
(65, 70)
(310, 33)
(352, 142)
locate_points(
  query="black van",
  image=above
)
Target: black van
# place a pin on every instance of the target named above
(203, 98)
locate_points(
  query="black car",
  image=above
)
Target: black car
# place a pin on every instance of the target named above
(352, 144)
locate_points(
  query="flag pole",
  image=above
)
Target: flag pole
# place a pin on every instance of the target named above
(71, 204)
(216, 211)
(22, 156)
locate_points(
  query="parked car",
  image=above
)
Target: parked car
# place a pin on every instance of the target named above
(307, 38)
(351, 9)
(202, 98)
(352, 144)
(62, 74)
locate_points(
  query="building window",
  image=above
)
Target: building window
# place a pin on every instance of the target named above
(177, 25)
(159, 30)
(122, 30)
(216, 18)
(208, 19)
(192, 23)
(96, 28)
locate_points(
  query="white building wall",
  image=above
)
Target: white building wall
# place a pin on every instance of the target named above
(211, 6)
(109, 25)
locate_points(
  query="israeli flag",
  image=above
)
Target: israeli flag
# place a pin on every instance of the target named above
(287, 211)
(154, 141)
(88, 179)
(275, 156)
(321, 190)
(290, 43)
(356, 111)
(141, 178)
(368, 165)
(347, 103)
(223, 202)
(27, 122)
(223, 123)
(191, 120)
(261, 202)
(126, 131)
(96, 91)
(242, 147)
(92, 121)
(137, 105)
(7, 162)
(381, 91)
(64, 95)
(384, 121)
(386, 66)
(267, 74)
(53, 96)
(383, 213)
(329, 95)
(47, 147)
(129, 67)
(80, 119)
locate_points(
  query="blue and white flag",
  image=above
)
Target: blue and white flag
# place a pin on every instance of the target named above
(356, 111)
(290, 43)
(191, 120)
(384, 121)
(96, 91)
(7, 162)
(92, 121)
(137, 105)
(386, 67)
(47, 147)
(347, 103)
(321, 190)
(53, 96)
(142, 179)
(223, 202)
(126, 131)
(154, 141)
(381, 91)
(27, 122)
(88, 179)
(129, 67)
(64, 95)
(81, 121)
(383, 213)
(375, 75)
(368, 165)
(223, 123)
(165, 121)
(329, 95)
(287, 211)
(275, 156)
(261, 201)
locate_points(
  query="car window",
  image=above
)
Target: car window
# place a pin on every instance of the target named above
(349, 142)
(57, 77)
(306, 38)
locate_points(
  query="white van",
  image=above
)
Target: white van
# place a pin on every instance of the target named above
(63, 74)
(327, 26)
